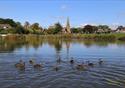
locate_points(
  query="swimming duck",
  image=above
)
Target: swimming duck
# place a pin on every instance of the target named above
(58, 60)
(31, 61)
(90, 63)
(81, 66)
(37, 65)
(100, 61)
(20, 65)
(72, 61)
(56, 68)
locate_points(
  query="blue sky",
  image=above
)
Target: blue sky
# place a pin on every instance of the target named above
(80, 12)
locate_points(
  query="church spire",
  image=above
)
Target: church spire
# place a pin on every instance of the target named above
(68, 26)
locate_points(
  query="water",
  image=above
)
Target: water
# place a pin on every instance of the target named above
(111, 74)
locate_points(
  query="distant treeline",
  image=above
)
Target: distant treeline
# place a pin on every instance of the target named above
(9, 26)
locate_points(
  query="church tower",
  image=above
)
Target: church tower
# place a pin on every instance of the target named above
(68, 26)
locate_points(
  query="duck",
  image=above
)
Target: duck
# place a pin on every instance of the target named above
(56, 68)
(81, 66)
(31, 61)
(58, 60)
(100, 61)
(90, 63)
(37, 65)
(72, 61)
(20, 65)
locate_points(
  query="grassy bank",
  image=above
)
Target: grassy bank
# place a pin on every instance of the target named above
(96, 37)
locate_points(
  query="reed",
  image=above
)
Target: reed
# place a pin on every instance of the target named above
(96, 37)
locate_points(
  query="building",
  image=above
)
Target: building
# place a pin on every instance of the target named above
(121, 30)
(67, 28)
(5, 26)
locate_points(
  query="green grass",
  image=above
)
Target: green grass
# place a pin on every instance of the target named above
(96, 37)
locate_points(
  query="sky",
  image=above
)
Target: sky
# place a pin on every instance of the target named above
(80, 12)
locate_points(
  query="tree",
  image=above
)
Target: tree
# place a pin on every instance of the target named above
(75, 30)
(26, 25)
(56, 28)
(104, 28)
(8, 21)
(16, 27)
(90, 29)
(35, 29)
(35, 26)
(2, 31)
(19, 29)
(95, 29)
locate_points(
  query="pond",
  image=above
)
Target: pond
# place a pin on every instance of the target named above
(110, 74)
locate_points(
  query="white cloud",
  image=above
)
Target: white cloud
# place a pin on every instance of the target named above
(64, 7)
(115, 23)
(94, 24)
(57, 17)
(113, 26)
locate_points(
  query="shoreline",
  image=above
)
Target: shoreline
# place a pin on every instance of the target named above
(96, 37)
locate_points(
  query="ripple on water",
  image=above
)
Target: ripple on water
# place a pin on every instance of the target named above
(105, 76)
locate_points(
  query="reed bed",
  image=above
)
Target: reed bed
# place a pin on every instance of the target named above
(97, 37)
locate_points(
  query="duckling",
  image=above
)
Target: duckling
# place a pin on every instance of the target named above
(20, 65)
(31, 61)
(81, 66)
(90, 63)
(56, 68)
(58, 60)
(100, 61)
(37, 65)
(72, 61)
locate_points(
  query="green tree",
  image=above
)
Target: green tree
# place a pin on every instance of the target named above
(104, 28)
(75, 30)
(90, 29)
(58, 28)
(26, 25)
(8, 21)
(55, 29)
(3, 31)
(19, 29)
(36, 29)
(35, 26)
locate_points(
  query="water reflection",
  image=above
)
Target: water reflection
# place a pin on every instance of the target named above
(61, 73)
(10, 43)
